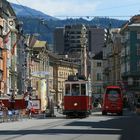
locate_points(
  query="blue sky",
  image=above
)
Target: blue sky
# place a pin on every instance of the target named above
(69, 8)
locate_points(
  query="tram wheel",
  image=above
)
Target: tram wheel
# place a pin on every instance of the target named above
(104, 113)
(120, 113)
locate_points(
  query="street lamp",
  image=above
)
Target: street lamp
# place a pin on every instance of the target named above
(30, 41)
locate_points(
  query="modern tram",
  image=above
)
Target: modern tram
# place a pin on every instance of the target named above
(77, 97)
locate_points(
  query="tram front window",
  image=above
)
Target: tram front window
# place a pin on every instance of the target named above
(83, 89)
(75, 89)
(67, 89)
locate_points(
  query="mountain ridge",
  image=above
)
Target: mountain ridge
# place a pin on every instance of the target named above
(24, 11)
(37, 22)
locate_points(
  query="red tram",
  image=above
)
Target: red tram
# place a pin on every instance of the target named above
(77, 97)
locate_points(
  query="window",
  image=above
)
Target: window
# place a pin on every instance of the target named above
(138, 35)
(75, 89)
(99, 76)
(1, 74)
(138, 65)
(0, 31)
(113, 91)
(60, 74)
(99, 64)
(83, 89)
(67, 89)
(5, 26)
(138, 49)
(1, 4)
(99, 89)
(0, 52)
(137, 81)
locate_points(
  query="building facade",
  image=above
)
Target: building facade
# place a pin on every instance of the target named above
(61, 70)
(68, 37)
(59, 40)
(9, 50)
(130, 55)
(112, 58)
(97, 73)
(95, 39)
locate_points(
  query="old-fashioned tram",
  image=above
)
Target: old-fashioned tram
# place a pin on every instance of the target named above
(77, 97)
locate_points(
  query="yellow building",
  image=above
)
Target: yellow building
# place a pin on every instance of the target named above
(64, 69)
(61, 70)
(97, 73)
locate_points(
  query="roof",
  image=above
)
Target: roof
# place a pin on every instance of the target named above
(134, 25)
(11, 10)
(133, 22)
(40, 44)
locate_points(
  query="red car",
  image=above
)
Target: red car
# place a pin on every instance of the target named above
(112, 100)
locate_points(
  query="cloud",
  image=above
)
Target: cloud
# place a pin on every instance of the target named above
(62, 7)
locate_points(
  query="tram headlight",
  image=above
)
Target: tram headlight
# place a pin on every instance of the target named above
(75, 104)
(106, 107)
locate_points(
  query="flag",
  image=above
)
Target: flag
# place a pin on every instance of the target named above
(1, 42)
(6, 38)
(32, 40)
(14, 47)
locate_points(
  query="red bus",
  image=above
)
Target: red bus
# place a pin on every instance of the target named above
(112, 100)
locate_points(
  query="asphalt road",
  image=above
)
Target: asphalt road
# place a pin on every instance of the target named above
(95, 127)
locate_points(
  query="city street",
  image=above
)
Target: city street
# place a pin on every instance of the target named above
(97, 127)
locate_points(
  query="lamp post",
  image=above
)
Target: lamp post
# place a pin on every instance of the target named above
(30, 41)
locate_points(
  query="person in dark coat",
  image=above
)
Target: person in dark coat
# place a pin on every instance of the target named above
(12, 102)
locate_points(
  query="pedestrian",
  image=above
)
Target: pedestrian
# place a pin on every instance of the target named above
(30, 107)
(26, 97)
(58, 105)
(2, 106)
(12, 102)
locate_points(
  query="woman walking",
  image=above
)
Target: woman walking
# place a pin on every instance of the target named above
(30, 107)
